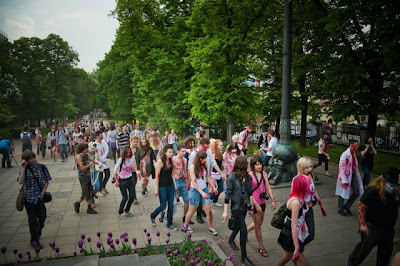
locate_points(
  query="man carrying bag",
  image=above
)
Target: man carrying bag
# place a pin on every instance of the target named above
(35, 180)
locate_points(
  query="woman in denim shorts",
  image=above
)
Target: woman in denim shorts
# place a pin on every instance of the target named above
(199, 191)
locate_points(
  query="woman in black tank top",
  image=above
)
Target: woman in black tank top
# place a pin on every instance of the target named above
(165, 186)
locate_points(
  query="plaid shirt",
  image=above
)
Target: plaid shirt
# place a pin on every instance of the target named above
(34, 192)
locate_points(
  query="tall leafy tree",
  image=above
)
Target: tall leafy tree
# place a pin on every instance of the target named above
(361, 58)
(221, 59)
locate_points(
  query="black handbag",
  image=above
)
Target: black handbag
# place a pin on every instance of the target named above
(47, 197)
(234, 222)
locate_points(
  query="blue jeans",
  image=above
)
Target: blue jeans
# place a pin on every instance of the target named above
(220, 190)
(126, 185)
(166, 195)
(63, 151)
(182, 189)
(354, 195)
(367, 174)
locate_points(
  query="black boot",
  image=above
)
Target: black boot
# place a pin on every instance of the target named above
(247, 262)
(200, 219)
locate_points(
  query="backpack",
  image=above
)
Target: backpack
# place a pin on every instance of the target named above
(26, 139)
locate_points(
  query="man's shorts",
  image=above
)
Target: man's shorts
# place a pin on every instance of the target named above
(195, 197)
(181, 186)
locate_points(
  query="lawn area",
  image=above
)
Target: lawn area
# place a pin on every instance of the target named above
(382, 160)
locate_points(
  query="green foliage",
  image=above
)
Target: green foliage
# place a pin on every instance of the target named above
(40, 75)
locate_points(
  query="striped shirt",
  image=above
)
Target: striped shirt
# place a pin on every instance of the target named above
(123, 139)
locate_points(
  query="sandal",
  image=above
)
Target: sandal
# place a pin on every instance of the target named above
(263, 252)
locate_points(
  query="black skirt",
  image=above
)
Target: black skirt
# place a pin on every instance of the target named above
(285, 238)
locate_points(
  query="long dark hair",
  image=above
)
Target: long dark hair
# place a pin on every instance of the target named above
(164, 157)
(144, 148)
(240, 167)
(233, 146)
(197, 165)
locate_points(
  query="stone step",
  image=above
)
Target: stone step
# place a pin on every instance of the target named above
(128, 260)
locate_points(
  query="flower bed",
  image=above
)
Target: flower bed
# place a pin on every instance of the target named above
(187, 252)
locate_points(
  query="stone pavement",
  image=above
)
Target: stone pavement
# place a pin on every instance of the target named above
(335, 235)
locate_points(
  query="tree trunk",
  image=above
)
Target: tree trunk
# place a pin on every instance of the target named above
(229, 129)
(371, 131)
(301, 82)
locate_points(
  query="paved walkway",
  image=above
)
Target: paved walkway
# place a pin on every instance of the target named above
(335, 236)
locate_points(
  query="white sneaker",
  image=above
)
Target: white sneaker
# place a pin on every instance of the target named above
(216, 204)
(135, 201)
(213, 231)
(100, 194)
(122, 215)
(105, 191)
(128, 214)
(188, 229)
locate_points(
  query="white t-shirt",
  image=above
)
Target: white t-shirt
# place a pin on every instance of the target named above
(126, 169)
(201, 181)
(272, 144)
(321, 146)
(102, 149)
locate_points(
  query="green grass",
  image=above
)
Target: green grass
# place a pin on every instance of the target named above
(382, 161)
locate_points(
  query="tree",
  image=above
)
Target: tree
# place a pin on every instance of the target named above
(221, 59)
(361, 58)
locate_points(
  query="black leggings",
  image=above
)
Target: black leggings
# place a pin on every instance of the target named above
(322, 158)
(243, 232)
(103, 181)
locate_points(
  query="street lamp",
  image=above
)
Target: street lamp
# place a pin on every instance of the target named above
(283, 162)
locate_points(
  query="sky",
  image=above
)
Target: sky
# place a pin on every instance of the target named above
(84, 24)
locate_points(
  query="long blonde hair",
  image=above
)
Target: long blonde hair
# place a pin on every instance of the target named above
(379, 184)
(302, 164)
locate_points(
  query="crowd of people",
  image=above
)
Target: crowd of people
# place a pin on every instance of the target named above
(198, 172)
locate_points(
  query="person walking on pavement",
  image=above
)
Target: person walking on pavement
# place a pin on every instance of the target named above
(26, 138)
(52, 142)
(295, 231)
(122, 140)
(35, 179)
(261, 192)
(84, 162)
(123, 175)
(311, 198)
(377, 213)
(323, 156)
(62, 142)
(38, 139)
(349, 183)
(199, 192)
(216, 149)
(367, 154)
(147, 162)
(102, 150)
(165, 186)
(180, 174)
(136, 156)
(238, 190)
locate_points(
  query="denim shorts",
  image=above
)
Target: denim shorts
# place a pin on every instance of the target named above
(182, 189)
(195, 197)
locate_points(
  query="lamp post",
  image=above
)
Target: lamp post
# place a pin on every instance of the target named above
(283, 162)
